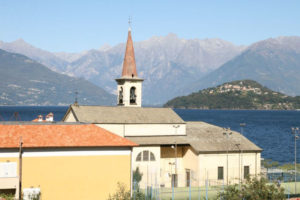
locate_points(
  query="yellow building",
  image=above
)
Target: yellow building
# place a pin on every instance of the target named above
(64, 161)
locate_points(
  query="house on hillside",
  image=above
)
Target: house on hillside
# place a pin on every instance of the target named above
(63, 161)
(171, 151)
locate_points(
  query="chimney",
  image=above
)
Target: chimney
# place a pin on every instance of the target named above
(49, 117)
(40, 118)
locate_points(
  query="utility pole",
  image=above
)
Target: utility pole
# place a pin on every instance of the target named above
(175, 163)
(238, 146)
(295, 132)
(176, 177)
(20, 168)
(242, 125)
(227, 133)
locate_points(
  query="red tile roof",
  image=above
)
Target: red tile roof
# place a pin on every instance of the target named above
(62, 135)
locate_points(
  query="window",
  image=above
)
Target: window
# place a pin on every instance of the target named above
(145, 156)
(246, 171)
(188, 177)
(174, 180)
(220, 173)
(132, 95)
(152, 158)
(139, 157)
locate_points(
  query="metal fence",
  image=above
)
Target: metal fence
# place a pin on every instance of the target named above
(179, 189)
(208, 189)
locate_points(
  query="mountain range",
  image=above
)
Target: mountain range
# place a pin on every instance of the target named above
(274, 63)
(167, 63)
(172, 66)
(27, 82)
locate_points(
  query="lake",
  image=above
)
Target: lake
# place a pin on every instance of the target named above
(270, 130)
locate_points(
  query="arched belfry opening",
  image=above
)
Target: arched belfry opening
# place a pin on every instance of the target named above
(132, 95)
(121, 95)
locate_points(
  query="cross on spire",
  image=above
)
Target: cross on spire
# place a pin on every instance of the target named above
(129, 22)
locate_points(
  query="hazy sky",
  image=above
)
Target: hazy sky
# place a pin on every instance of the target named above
(73, 26)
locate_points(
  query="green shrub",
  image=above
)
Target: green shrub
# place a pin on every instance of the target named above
(7, 196)
(122, 193)
(253, 189)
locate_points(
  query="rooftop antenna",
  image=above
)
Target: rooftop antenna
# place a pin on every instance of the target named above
(76, 98)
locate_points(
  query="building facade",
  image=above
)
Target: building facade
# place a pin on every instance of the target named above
(65, 161)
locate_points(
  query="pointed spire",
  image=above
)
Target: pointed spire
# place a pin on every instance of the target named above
(129, 66)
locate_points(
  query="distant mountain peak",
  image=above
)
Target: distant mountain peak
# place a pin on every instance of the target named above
(105, 47)
(21, 41)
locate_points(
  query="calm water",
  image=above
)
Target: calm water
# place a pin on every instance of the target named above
(270, 130)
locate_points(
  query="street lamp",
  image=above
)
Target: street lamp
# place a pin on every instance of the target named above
(238, 146)
(227, 133)
(295, 132)
(242, 125)
(175, 148)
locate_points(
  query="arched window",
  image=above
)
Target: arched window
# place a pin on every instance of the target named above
(145, 156)
(139, 157)
(121, 96)
(152, 157)
(132, 95)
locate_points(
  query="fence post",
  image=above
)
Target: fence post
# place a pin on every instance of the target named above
(173, 189)
(206, 188)
(190, 192)
(288, 192)
(133, 189)
(146, 191)
(199, 192)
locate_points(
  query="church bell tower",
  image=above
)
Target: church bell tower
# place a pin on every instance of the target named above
(129, 85)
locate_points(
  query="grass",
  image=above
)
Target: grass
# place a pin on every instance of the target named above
(182, 193)
(289, 187)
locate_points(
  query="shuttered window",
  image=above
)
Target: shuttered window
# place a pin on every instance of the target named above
(246, 171)
(220, 173)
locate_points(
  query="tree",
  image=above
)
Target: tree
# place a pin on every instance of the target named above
(253, 189)
(137, 176)
(122, 193)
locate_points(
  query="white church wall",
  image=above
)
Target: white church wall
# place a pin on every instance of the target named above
(144, 129)
(114, 128)
(190, 162)
(149, 169)
(209, 163)
(154, 129)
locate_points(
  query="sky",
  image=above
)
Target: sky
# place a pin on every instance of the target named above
(78, 25)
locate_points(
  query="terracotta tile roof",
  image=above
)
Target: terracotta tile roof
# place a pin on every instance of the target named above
(129, 66)
(62, 135)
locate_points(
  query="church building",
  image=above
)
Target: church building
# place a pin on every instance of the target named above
(171, 151)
